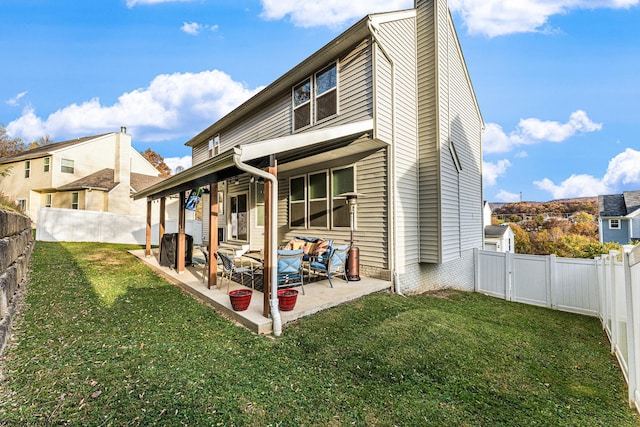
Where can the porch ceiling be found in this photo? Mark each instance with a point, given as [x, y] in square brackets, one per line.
[294, 151]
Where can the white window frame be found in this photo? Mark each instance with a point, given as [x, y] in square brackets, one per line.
[325, 93]
[48, 200]
[312, 102]
[306, 104]
[76, 204]
[612, 226]
[22, 205]
[327, 206]
[214, 146]
[27, 168]
[70, 166]
[47, 164]
[259, 205]
[230, 233]
[334, 198]
[303, 201]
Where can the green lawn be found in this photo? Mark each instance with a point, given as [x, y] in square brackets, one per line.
[105, 341]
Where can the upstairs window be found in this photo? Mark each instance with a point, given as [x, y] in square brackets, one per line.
[302, 105]
[316, 98]
[27, 168]
[214, 146]
[47, 164]
[614, 224]
[67, 166]
[326, 93]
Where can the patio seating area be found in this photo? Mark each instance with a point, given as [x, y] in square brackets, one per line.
[319, 294]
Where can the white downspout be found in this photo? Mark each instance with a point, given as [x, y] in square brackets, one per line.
[271, 262]
[392, 190]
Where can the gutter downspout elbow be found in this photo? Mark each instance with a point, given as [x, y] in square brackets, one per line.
[271, 262]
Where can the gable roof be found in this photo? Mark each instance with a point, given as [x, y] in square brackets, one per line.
[47, 150]
[619, 205]
[495, 230]
[104, 180]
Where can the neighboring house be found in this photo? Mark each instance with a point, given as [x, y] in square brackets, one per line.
[499, 238]
[98, 173]
[619, 217]
[385, 110]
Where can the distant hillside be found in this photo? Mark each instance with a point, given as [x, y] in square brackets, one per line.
[561, 207]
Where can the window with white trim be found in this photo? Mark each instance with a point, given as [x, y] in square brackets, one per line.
[259, 203]
[614, 224]
[316, 98]
[47, 164]
[48, 200]
[214, 146]
[316, 201]
[75, 197]
[27, 168]
[67, 166]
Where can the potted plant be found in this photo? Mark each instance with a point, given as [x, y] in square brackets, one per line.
[287, 299]
[240, 299]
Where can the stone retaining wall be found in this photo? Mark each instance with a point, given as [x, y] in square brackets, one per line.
[16, 245]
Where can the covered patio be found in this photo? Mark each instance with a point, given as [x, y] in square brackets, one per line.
[318, 294]
[263, 161]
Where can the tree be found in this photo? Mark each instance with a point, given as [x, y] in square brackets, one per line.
[9, 146]
[157, 161]
[522, 243]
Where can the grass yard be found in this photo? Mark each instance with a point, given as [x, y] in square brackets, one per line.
[103, 341]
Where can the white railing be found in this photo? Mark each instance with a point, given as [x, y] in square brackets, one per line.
[607, 287]
[71, 225]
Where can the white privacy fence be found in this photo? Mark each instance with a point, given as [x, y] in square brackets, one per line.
[71, 225]
[607, 287]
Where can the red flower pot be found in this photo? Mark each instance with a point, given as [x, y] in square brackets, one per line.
[287, 299]
[240, 299]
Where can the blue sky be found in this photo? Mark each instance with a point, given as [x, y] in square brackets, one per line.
[558, 81]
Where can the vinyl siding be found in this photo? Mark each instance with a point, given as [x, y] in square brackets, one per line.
[372, 215]
[428, 149]
[355, 103]
[399, 39]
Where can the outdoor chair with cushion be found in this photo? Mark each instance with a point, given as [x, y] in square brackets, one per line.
[290, 271]
[229, 268]
[332, 263]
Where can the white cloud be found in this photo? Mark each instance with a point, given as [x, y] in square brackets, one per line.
[575, 186]
[485, 17]
[192, 28]
[174, 162]
[533, 131]
[330, 13]
[131, 3]
[491, 171]
[14, 101]
[505, 196]
[172, 106]
[622, 170]
[500, 17]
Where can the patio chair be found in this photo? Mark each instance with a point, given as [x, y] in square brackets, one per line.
[290, 271]
[229, 268]
[333, 264]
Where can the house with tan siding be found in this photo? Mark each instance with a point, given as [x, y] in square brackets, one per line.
[98, 173]
[387, 111]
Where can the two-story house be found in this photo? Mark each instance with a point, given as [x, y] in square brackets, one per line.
[98, 173]
[386, 110]
[619, 217]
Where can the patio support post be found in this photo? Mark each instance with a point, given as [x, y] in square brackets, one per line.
[213, 236]
[147, 248]
[268, 217]
[181, 238]
[163, 209]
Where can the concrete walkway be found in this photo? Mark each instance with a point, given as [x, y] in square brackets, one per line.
[319, 295]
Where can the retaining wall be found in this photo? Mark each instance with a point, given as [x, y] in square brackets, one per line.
[16, 245]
